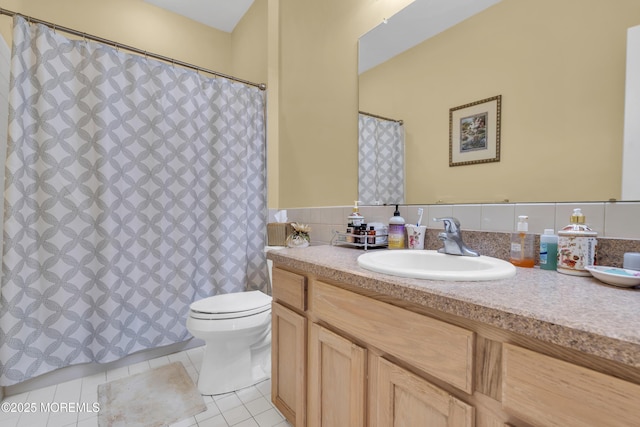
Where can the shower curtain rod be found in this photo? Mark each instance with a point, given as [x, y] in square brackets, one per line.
[400, 122]
[117, 45]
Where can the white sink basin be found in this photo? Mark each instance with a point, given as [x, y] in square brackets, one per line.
[436, 266]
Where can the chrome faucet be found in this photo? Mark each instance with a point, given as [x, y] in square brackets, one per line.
[452, 239]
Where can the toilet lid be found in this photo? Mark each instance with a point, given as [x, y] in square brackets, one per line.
[237, 304]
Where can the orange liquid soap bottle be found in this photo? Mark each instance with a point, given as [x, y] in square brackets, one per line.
[522, 242]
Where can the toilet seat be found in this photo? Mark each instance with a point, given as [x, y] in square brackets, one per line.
[230, 306]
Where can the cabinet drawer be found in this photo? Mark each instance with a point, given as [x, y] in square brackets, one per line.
[549, 392]
[290, 288]
[438, 348]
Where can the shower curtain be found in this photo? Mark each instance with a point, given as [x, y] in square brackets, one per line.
[380, 161]
[133, 187]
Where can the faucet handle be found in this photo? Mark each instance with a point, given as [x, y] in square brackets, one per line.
[451, 225]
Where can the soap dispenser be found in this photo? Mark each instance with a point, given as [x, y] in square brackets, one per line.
[522, 245]
[577, 245]
[355, 220]
[396, 231]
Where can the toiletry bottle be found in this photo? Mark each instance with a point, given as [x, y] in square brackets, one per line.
[362, 231]
[380, 231]
[548, 250]
[577, 244]
[522, 253]
[371, 232]
[396, 231]
[350, 230]
[355, 219]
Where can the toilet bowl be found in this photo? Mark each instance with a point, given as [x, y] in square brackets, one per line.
[236, 329]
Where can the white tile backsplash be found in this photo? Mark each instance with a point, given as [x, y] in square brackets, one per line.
[497, 217]
[469, 215]
[612, 219]
[622, 220]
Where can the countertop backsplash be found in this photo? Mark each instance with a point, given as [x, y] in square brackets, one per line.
[486, 227]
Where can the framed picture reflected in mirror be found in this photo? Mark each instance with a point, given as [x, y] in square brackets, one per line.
[474, 132]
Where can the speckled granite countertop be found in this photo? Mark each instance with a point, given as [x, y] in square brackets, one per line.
[580, 313]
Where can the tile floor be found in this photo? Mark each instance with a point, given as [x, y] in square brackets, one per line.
[249, 407]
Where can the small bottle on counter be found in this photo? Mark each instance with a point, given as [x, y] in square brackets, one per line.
[522, 253]
[372, 233]
[548, 250]
[362, 231]
[350, 233]
[354, 221]
[355, 218]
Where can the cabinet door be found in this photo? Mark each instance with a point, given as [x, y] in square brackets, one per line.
[288, 355]
[337, 380]
[400, 398]
[545, 391]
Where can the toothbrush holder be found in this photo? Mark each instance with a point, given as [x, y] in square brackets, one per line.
[415, 236]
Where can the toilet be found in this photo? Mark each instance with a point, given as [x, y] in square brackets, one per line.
[236, 329]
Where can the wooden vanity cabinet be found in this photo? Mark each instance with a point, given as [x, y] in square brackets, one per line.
[289, 346]
[342, 383]
[341, 357]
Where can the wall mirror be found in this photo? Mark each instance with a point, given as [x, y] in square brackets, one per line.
[560, 69]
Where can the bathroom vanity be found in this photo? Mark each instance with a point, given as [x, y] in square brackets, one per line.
[352, 347]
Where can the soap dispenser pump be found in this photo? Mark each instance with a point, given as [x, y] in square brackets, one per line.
[355, 219]
[396, 230]
[577, 245]
[522, 245]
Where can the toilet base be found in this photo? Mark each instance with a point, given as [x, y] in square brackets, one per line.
[230, 367]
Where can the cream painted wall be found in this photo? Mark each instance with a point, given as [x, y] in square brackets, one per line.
[318, 99]
[559, 67]
[134, 23]
[249, 44]
[318, 103]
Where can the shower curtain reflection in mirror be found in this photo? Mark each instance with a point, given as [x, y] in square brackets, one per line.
[380, 160]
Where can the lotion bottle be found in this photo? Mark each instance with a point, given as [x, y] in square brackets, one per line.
[522, 253]
[355, 219]
[396, 231]
[576, 246]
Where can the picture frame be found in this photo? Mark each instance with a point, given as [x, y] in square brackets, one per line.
[474, 132]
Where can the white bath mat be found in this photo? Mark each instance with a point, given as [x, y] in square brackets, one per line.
[158, 397]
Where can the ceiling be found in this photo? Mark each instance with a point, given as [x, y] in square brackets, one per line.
[411, 26]
[220, 14]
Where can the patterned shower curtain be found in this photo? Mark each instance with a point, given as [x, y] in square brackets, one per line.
[132, 188]
[380, 161]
